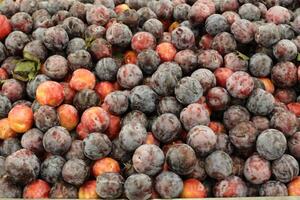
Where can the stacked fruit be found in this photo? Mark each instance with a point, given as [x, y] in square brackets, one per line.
[144, 99]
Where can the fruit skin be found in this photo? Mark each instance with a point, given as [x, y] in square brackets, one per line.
[222, 74]
[166, 127]
[278, 15]
[33, 141]
[10, 146]
[250, 12]
[295, 108]
[51, 168]
[105, 165]
[169, 105]
[45, 117]
[117, 102]
[181, 159]
[202, 139]
[294, 187]
[241, 131]
[82, 79]
[193, 115]
[166, 51]
[15, 42]
[8, 189]
[32, 85]
[273, 188]
[75, 171]
[85, 99]
[106, 69]
[13, 89]
[129, 76]
[76, 151]
[88, 190]
[216, 24]
[260, 65]
[37, 189]
[285, 168]
[200, 11]
[97, 14]
[100, 48]
[268, 84]
[109, 185]
[5, 27]
[20, 118]
[143, 98]
[50, 93]
[218, 98]
[104, 88]
[188, 90]
[168, 184]
[132, 135]
[119, 34]
[234, 62]
[57, 140]
[136, 117]
[233, 85]
[95, 119]
[55, 38]
[5, 130]
[243, 30]
[114, 127]
[285, 50]
[293, 145]
[254, 174]
[138, 186]
[218, 165]
[192, 188]
[68, 116]
[62, 190]
[166, 77]
[232, 186]
[285, 121]
[3, 74]
[55, 67]
[23, 166]
[148, 159]
[21, 21]
[265, 144]
[96, 146]
[234, 115]
[69, 93]
[183, 38]
[224, 43]
[142, 41]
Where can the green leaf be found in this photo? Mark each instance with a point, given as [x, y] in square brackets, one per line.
[242, 56]
[26, 70]
[88, 42]
[298, 57]
[28, 56]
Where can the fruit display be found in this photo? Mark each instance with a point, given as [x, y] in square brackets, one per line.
[149, 99]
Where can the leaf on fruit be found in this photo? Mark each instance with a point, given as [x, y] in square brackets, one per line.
[88, 42]
[27, 68]
[298, 57]
[29, 56]
[242, 56]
